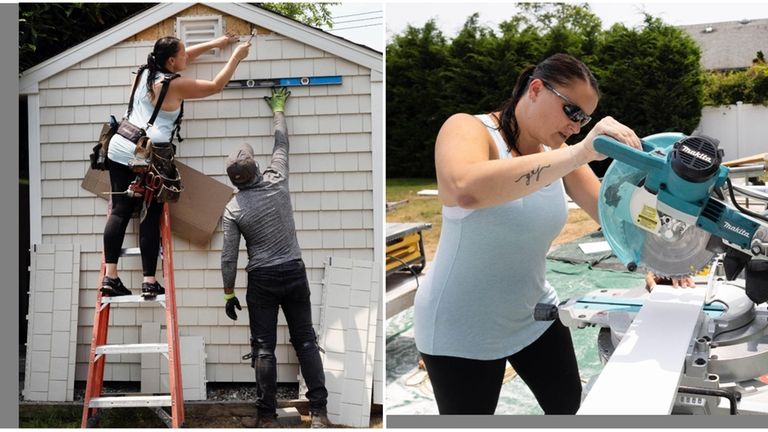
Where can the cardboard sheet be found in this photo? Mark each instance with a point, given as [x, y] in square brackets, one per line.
[196, 214]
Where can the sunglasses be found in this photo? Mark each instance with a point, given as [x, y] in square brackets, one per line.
[570, 109]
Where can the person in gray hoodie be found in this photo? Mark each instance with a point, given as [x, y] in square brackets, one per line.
[261, 212]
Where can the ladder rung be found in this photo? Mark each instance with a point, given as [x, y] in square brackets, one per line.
[132, 299]
[132, 348]
[130, 401]
[134, 251]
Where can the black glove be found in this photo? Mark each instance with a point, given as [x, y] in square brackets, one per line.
[232, 303]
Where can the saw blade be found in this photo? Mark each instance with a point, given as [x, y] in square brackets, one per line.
[683, 255]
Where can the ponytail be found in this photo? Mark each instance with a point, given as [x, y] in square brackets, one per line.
[165, 48]
[508, 122]
[557, 69]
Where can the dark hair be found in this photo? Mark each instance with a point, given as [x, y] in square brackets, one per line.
[557, 69]
[165, 48]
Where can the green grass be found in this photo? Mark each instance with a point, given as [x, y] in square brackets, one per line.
[404, 188]
[46, 416]
[417, 209]
[57, 416]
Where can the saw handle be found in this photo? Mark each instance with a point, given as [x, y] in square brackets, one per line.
[631, 156]
[545, 312]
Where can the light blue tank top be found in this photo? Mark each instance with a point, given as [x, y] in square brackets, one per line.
[120, 149]
[478, 297]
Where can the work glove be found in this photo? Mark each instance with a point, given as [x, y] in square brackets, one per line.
[232, 303]
[277, 100]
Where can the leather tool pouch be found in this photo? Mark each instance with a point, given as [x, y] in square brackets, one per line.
[130, 131]
[163, 165]
[100, 151]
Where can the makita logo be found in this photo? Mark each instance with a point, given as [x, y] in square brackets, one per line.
[738, 230]
[696, 153]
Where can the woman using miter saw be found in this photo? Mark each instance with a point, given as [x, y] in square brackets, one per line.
[502, 179]
[168, 57]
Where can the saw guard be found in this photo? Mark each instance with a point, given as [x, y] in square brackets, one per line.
[634, 246]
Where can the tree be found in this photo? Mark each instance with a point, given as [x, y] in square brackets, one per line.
[470, 80]
[567, 28]
[650, 78]
[47, 29]
[415, 61]
[748, 86]
[314, 14]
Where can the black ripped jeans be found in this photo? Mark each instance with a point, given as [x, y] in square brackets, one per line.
[283, 285]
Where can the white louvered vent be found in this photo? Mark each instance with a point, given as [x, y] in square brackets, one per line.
[193, 30]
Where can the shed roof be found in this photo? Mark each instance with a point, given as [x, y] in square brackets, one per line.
[343, 48]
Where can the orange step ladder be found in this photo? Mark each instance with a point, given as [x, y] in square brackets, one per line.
[94, 401]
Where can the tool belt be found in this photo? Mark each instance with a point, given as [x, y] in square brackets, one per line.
[157, 176]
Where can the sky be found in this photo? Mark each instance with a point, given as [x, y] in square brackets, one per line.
[359, 22]
[371, 23]
[450, 17]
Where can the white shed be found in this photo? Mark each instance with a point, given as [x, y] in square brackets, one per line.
[336, 135]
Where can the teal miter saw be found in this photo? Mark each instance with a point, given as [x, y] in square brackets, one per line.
[658, 212]
[664, 209]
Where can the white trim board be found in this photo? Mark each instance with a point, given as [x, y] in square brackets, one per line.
[35, 170]
[644, 372]
[154, 367]
[292, 29]
[377, 136]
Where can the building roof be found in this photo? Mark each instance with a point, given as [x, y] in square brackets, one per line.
[730, 44]
[340, 47]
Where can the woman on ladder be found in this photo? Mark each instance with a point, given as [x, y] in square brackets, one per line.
[169, 56]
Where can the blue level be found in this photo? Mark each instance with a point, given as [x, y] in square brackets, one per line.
[285, 82]
[632, 305]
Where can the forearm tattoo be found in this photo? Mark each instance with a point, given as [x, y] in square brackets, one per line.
[534, 173]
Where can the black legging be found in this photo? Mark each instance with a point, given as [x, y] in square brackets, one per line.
[120, 176]
[548, 366]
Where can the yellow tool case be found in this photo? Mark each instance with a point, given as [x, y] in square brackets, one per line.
[405, 246]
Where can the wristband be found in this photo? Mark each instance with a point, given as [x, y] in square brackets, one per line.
[229, 296]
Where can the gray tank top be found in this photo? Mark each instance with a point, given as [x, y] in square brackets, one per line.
[478, 297]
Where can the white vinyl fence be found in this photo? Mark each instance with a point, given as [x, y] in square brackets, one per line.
[741, 128]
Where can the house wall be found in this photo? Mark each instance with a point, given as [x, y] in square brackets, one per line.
[331, 184]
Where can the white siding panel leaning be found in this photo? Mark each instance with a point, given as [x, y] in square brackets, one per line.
[348, 335]
[154, 367]
[52, 333]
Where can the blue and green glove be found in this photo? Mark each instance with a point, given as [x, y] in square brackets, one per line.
[232, 303]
